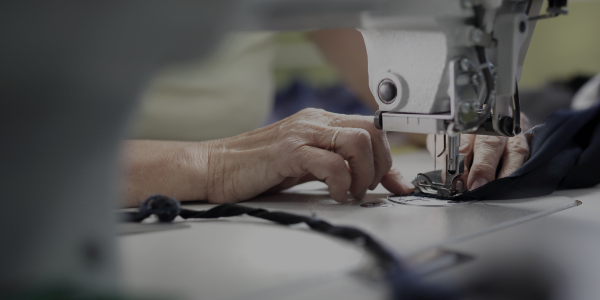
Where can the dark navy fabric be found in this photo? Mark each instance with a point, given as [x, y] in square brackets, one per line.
[299, 95]
[565, 154]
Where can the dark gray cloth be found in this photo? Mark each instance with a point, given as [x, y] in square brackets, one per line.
[565, 154]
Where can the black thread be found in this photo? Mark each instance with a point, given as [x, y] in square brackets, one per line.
[403, 283]
[166, 210]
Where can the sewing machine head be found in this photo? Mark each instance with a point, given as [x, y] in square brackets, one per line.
[449, 67]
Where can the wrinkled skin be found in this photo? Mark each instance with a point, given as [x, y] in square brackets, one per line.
[483, 154]
[292, 151]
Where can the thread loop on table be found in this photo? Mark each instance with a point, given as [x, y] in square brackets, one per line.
[166, 209]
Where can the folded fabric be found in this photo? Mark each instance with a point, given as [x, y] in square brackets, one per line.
[565, 154]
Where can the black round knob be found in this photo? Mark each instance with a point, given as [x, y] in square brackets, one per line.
[387, 91]
[522, 27]
[517, 129]
[506, 125]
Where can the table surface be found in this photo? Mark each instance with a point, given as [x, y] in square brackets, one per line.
[243, 257]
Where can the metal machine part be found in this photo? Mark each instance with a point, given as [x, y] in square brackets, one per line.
[451, 71]
[458, 66]
[454, 168]
[426, 201]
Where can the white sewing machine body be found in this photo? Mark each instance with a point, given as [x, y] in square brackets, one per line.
[440, 57]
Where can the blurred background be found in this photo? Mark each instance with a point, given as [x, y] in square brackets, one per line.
[564, 47]
[257, 78]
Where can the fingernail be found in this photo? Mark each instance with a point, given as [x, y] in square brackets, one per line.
[360, 196]
[406, 184]
[374, 185]
[478, 182]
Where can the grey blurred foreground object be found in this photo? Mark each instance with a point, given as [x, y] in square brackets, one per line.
[70, 74]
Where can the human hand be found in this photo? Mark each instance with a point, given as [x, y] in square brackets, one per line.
[296, 150]
[483, 154]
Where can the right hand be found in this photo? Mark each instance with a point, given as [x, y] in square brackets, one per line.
[483, 154]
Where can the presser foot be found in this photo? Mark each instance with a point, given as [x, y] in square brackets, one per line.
[453, 186]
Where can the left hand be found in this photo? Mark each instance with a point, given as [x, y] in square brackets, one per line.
[483, 154]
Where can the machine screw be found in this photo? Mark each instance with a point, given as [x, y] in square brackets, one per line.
[465, 64]
[476, 35]
[387, 91]
[475, 79]
[465, 107]
[522, 27]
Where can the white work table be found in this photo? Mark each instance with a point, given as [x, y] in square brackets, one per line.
[246, 258]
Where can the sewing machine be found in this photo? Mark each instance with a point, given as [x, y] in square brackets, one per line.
[59, 175]
[429, 71]
[435, 67]
[449, 70]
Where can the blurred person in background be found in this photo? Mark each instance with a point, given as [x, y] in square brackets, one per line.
[258, 78]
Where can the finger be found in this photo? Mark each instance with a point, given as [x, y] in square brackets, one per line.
[515, 154]
[525, 122]
[381, 149]
[354, 145]
[394, 182]
[327, 167]
[525, 127]
[467, 142]
[487, 151]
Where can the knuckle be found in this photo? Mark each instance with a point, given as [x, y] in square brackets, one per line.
[483, 168]
[298, 124]
[312, 112]
[298, 128]
[465, 144]
[292, 145]
[518, 146]
[335, 166]
[361, 136]
[493, 142]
